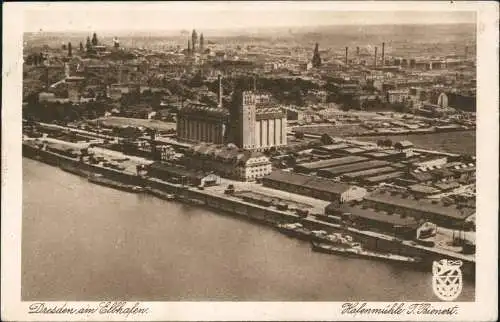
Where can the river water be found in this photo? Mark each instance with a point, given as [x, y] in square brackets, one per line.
[86, 242]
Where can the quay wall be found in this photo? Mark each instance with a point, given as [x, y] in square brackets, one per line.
[379, 242]
[263, 215]
[60, 160]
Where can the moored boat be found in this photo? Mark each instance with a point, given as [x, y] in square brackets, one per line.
[195, 202]
[295, 230]
[161, 194]
[355, 250]
[74, 170]
[100, 180]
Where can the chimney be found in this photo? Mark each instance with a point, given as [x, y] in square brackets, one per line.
[375, 61]
[46, 77]
[466, 51]
[66, 70]
[255, 84]
[357, 51]
[220, 91]
[383, 54]
[346, 52]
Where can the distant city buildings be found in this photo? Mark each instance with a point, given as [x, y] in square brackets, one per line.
[196, 45]
[434, 86]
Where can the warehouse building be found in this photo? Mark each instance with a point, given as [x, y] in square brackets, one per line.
[332, 148]
[176, 174]
[388, 155]
[353, 151]
[362, 218]
[316, 165]
[63, 150]
[465, 173]
[423, 191]
[315, 187]
[340, 170]
[229, 161]
[386, 177]
[366, 173]
[441, 214]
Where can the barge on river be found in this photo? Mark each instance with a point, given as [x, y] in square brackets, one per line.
[103, 181]
[74, 170]
[355, 250]
[161, 194]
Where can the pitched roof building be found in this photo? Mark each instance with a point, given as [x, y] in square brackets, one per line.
[229, 161]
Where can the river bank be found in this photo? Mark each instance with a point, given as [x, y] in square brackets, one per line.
[264, 215]
[138, 247]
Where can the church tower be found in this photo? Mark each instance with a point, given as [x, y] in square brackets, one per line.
[194, 40]
[202, 43]
[316, 59]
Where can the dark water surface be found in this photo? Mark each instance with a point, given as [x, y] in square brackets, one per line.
[87, 242]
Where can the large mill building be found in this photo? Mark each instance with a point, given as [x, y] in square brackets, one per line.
[257, 124]
[252, 122]
[197, 122]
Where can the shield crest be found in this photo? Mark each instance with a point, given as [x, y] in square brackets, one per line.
[447, 279]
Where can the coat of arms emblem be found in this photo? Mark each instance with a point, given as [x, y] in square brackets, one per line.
[447, 279]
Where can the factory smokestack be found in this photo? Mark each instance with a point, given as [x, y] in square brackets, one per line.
[357, 51]
[66, 70]
[219, 98]
[466, 51]
[375, 61]
[346, 52]
[46, 77]
[383, 54]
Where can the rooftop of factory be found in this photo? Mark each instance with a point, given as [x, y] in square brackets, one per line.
[423, 189]
[269, 109]
[306, 181]
[174, 170]
[333, 147]
[374, 215]
[366, 173]
[197, 108]
[225, 153]
[384, 177]
[450, 211]
[330, 163]
[339, 170]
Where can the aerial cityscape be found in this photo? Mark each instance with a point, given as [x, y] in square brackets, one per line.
[297, 163]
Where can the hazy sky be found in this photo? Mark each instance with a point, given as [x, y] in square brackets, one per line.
[236, 15]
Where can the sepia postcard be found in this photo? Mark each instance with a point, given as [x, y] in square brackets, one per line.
[300, 160]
